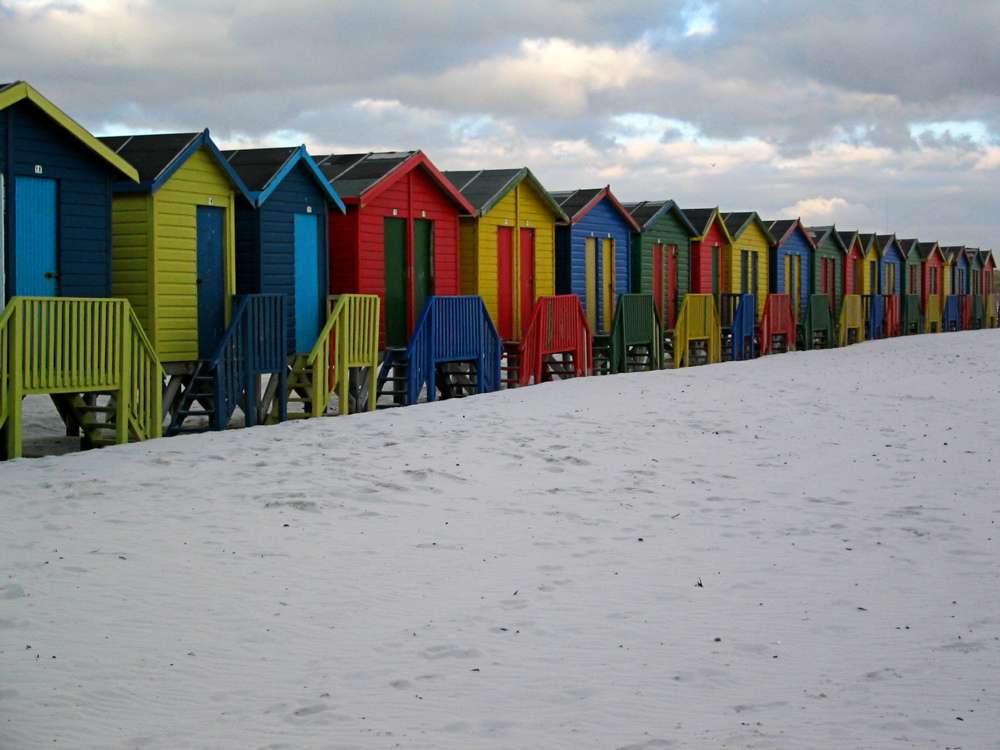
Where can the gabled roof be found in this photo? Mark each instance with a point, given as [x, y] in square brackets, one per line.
[360, 178]
[782, 229]
[739, 221]
[885, 241]
[819, 235]
[848, 237]
[647, 213]
[972, 253]
[157, 157]
[986, 256]
[263, 169]
[701, 219]
[12, 93]
[927, 249]
[485, 188]
[578, 203]
[868, 242]
[954, 252]
[909, 247]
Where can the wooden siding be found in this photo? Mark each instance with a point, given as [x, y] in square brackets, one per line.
[603, 221]
[265, 240]
[701, 257]
[668, 230]
[869, 256]
[522, 207]
[796, 245]
[132, 257]
[83, 194]
[828, 249]
[754, 241]
[892, 257]
[175, 253]
[357, 251]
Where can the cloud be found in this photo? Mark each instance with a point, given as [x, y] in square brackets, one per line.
[815, 210]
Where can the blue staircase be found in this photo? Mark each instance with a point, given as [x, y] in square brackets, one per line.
[252, 346]
[455, 351]
[951, 316]
[874, 308]
[742, 331]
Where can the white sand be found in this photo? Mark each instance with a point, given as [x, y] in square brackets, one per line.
[521, 570]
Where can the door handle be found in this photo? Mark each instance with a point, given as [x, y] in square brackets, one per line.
[52, 275]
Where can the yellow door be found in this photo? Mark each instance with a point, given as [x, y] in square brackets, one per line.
[609, 282]
[797, 285]
[590, 264]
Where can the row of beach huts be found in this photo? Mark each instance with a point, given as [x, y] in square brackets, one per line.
[155, 284]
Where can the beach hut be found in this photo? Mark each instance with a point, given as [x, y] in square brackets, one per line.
[853, 260]
[989, 288]
[592, 252]
[872, 298]
[281, 237]
[281, 249]
[59, 332]
[931, 285]
[507, 244]
[829, 265]
[55, 199]
[661, 255]
[911, 310]
[175, 261]
[707, 251]
[977, 301]
[790, 263]
[399, 237]
[746, 268]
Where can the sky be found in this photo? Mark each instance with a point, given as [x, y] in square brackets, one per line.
[876, 116]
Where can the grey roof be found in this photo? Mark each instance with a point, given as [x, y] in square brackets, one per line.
[884, 240]
[484, 187]
[926, 248]
[866, 240]
[573, 202]
[352, 174]
[847, 237]
[781, 227]
[908, 246]
[736, 221]
[700, 218]
[151, 155]
[647, 213]
[258, 166]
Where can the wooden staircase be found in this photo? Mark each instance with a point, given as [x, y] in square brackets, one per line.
[510, 364]
[602, 354]
[851, 329]
[636, 335]
[91, 357]
[252, 346]
[557, 343]
[698, 335]
[342, 361]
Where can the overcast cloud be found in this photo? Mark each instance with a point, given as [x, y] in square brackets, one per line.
[873, 115]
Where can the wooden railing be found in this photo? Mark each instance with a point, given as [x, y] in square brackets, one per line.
[453, 329]
[852, 320]
[558, 325]
[951, 316]
[349, 339]
[819, 318]
[911, 321]
[253, 344]
[991, 311]
[77, 345]
[873, 306]
[636, 323]
[743, 328]
[778, 320]
[893, 317]
[932, 314]
[698, 320]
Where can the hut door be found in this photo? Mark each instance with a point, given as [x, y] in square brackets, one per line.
[394, 247]
[716, 273]
[35, 265]
[211, 225]
[3, 263]
[671, 293]
[505, 282]
[308, 300]
[856, 276]
[590, 266]
[745, 272]
[890, 278]
[423, 264]
[527, 259]
[754, 258]
[873, 280]
[658, 281]
[608, 257]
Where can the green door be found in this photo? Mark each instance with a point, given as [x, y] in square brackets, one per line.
[423, 265]
[395, 282]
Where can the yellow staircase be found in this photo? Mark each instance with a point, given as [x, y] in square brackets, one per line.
[92, 357]
[698, 333]
[851, 328]
[349, 339]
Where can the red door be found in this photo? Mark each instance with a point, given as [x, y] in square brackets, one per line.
[505, 282]
[671, 285]
[527, 277]
[658, 279]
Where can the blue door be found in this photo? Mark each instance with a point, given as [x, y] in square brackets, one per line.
[308, 300]
[36, 269]
[211, 279]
